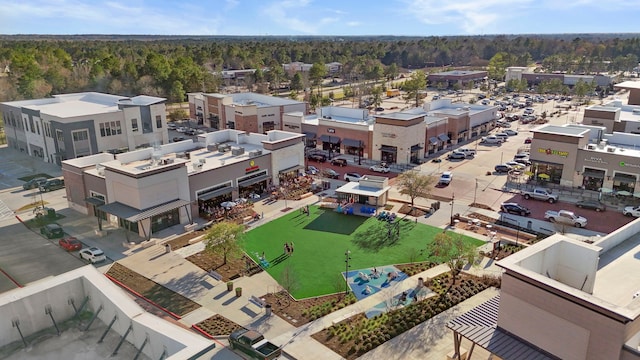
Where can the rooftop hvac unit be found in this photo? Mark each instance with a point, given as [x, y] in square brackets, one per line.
[237, 151]
[202, 161]
[100, 169]
[181, 155]
[212, 147]
[611, 149]
[591, 147]
[254, 153]
[167, 161]
[223, 148]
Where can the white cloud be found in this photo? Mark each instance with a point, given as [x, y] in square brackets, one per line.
[301, 16]
[354, 23]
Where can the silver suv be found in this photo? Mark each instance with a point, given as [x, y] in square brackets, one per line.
[350, 176]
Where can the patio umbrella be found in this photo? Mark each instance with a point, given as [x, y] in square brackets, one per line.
[624, 193]
[528, 173]
[228, 204]
[544, 176]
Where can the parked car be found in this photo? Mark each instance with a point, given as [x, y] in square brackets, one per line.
[34, 183]
[540, 194]
[331, 174]
[510, 132]
[312, 170]
[502, 135]
[177, 138]
[380, 168]
[52, 231]
[566, 217]
[339, 162]
[502, 168]
[522, 159]
[454, 155]
[515, 165]
[70, 243]
[468, 152]
[52, 184]
[515, 208]
[182, 129]
[445, 178]
[591, 204]
[527, 140]
[93, 255]
[253, 344]
[317, 157]
[172, 126]
[491, 139]
[351, 176]
[631, 211]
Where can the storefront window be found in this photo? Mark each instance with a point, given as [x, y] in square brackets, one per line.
[547, 172]
[592, 179]
[389, 154]
[165, 220]
[624, 182]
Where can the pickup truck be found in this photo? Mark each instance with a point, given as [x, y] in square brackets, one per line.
[565, 217]
[540, 194]
[254, 344]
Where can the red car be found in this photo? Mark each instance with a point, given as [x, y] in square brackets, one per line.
[70, 244]
[527, 140]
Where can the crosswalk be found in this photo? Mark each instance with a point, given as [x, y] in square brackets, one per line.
[5, 212]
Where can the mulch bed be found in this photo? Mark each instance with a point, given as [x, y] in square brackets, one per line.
[415, 268]
[300, 312]
[183, 240]
[153, 291]
[233, 269]
[481, 206]
[417, 212]
[218, 325]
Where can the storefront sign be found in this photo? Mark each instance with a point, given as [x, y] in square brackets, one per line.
[624, 164]
[596, 160]
[389, 135]
[331, 130]
[553, 152]
[252, 167]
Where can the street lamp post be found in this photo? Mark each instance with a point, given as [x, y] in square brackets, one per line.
[347, 257]
[453, 198]
[475, 192]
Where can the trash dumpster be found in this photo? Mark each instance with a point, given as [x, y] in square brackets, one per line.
[51, 213]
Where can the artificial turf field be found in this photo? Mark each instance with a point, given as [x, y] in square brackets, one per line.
[321, 240]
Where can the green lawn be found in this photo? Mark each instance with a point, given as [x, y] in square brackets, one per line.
[321, 240]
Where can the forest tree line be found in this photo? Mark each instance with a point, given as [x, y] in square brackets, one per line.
[172, 67]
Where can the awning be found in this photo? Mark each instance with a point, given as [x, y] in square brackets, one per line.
[310, 135]
[624, 178]
[594, 174]
[330, 139]
[391, 149]
[290, 169]
[433, 140]
[134, 215]
[215, 193]
[268, 123]
[94, 201]
[252, 181]
[416, 148]
[480, 326]
[443, 137]
[352, 143]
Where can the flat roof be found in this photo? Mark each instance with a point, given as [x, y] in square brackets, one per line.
[459, 73]
[618, 278]
[628, 85]
[401, 116]
[562, 130]
[354, 187]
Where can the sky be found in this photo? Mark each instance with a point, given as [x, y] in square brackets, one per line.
[318, 17]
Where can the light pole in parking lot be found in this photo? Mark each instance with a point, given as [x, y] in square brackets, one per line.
[453, 198]
[475, 192]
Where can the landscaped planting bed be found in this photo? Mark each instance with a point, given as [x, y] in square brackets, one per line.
[218, 325]
[417, 212]
[184, 239]
[233, 269]
[301, 312]
[153, 291]
[357, 335]
[415, 268]
[504, 251]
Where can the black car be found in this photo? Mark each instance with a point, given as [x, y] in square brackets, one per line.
[52, 231]
[339, 162]
[514, 208]
[317, 157]
[50, 185]
[502, 168]
[34, 183]
[591, 204]
[331, 174]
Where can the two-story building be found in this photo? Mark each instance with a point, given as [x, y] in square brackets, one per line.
[73, 125]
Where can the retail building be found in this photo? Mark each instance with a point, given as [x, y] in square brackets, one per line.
[73, 125]
[151, 189]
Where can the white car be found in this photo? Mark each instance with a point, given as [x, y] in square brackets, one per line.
[491, 139]
[380, 168]
[182, 129]
[632, 211]
[352, 176]
[515, 165]
[502, 135]
[510, 132]
[467, 152]
[92, 255]
[445, 178]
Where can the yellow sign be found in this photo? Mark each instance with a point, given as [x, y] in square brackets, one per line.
[252, 163]
[553, 152]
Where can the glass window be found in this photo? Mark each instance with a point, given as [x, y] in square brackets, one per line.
[134, 124]
[102, 130]
[158, 121]
[118, 128]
